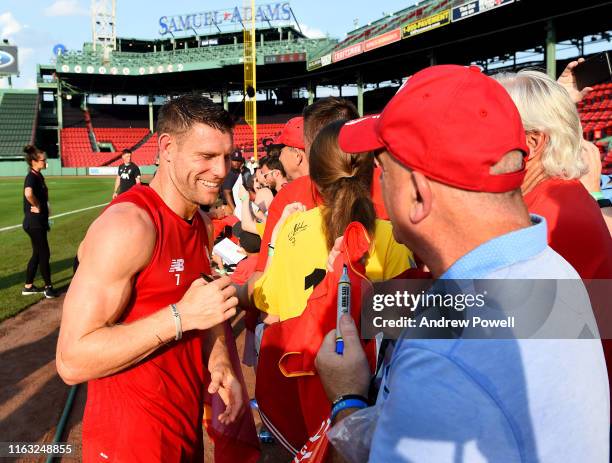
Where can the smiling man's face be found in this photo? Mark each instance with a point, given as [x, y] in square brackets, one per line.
[200, 160]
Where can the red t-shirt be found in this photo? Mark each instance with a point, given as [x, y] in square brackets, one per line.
[577, 231]
[153, 411]
[576, 228]
[220, 224]
[303, 190]
[244, 270]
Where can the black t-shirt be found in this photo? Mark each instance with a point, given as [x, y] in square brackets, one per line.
[230, 179]
[36, 181]
[127, 175]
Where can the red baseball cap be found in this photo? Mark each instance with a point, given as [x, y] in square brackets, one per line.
[292, 134]
[451, 123]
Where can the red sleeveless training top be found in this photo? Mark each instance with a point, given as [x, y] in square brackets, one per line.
[153, 411]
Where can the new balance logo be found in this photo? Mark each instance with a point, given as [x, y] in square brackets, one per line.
[177, 265]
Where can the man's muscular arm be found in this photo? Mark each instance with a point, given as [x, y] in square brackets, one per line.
[91, 345]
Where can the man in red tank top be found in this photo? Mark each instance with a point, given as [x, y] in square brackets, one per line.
[139, 323]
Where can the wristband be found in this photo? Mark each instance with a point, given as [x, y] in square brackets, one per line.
[604, 202]
[177, 322]
[597, 195]
[340, 398]
[270, 250]
[349, 401]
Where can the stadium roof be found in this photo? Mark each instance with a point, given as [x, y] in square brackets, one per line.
[453, 31]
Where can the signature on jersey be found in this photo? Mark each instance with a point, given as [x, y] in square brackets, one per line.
[297, 228]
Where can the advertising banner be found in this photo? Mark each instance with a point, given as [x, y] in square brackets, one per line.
[348, 52]
[8, 60]
[314, 64]
[326, 60]
[236, 16]
[103, 170]
[382, 40]
[426, 24]
[284, 58]
[475, 7]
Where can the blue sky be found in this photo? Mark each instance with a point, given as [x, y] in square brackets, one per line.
[35, 26]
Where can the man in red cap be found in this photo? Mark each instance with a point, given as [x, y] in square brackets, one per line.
[293, 154]
[451, 146]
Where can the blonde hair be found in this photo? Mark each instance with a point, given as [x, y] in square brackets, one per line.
[545, 106]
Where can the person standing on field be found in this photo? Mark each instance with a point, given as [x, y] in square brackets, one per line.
[36, 222]
[128, 174]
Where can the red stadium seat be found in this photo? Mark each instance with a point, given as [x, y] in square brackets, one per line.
[596, 118]
[76, 149]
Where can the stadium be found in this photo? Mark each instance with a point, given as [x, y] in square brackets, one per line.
[92, 104]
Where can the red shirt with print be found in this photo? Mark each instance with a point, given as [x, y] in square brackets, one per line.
[152, 411]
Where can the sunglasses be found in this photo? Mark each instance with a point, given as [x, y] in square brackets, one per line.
[268, 173]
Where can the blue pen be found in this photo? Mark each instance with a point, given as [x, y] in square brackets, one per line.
[343, 306]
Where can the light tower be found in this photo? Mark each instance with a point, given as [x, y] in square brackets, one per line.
[250, 77]
[103, 24]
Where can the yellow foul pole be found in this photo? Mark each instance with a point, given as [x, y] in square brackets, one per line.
[250, 80]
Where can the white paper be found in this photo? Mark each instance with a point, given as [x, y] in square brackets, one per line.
[227, 250]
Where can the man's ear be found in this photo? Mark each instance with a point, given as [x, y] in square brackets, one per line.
[536, 141]
[299, 156]
[164, 142]
[421, 205]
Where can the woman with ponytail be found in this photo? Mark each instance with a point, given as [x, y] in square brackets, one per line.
[302, 240]
[36, 222]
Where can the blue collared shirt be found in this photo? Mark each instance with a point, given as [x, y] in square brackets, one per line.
[500, 252]
[468, 400]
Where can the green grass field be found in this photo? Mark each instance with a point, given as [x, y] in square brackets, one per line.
[65, 194]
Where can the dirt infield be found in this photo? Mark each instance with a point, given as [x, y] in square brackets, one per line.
[32, 396]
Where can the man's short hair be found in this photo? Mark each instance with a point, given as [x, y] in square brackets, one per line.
[273, 162]
[126, 151]
[325, 111]
[178, 115]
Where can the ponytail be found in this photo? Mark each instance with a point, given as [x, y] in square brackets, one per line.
[344, 182]
[31, 153]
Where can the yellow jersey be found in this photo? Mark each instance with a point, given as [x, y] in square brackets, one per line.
[260, 227]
